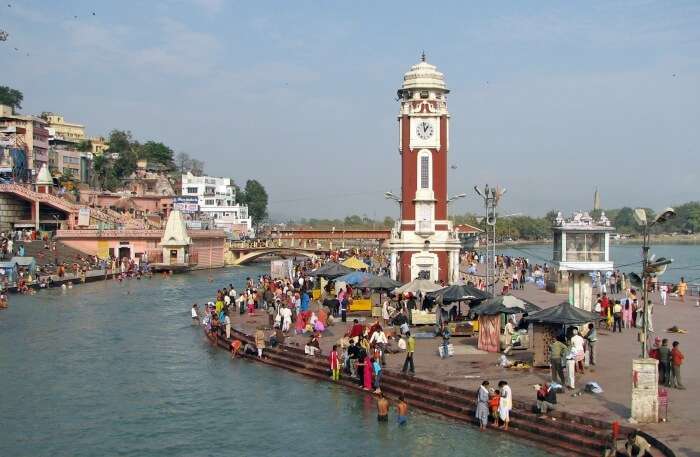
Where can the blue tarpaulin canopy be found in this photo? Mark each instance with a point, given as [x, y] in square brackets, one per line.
[27, 263]
[8, 270]
[354, 278]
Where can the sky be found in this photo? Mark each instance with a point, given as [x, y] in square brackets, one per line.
[548, 99]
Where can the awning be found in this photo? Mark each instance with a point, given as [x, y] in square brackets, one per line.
[563, 314]
[505, 304]
[355, 264]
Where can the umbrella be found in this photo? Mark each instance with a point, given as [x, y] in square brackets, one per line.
[355, 263]
[458, 293]
[331, 270]
[418, 285]
[564, 313]
[506, 304]
[379, 282]
[353, 278]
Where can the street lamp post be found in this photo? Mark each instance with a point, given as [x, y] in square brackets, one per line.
[645, 372]
[491, 197]
[396, 232]
[450, 200]
[649, 268]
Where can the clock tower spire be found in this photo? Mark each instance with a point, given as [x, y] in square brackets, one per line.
[424, 244]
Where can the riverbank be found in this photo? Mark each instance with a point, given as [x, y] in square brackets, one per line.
[469, 367]
[130, 375]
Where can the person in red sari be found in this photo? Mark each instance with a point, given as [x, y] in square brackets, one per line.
[367, 373]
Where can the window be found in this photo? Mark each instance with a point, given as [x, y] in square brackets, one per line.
[425, 172]
[209, 202]
[191, 190]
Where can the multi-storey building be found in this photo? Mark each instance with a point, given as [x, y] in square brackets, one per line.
[216, 198]
[63, 130]
[35, 136]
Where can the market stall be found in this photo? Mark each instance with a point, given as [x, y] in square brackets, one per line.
[8, 273]
[549, 323]
[420, 288]
[492, 316]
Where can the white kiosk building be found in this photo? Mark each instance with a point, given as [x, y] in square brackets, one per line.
[581, 248]
[175, 242]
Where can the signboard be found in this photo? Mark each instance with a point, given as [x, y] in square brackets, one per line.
[281, 269]
[84, 217]
[186, 204]
[195, 225]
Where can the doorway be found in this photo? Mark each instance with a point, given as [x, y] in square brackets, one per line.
[124, 251]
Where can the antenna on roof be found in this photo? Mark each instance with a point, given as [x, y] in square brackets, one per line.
[422, 56]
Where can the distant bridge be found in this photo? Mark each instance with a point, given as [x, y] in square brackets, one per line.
[301, 242]
[241, 256]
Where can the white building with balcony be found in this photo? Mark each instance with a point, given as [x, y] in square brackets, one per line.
[581, 247]
[217, 203]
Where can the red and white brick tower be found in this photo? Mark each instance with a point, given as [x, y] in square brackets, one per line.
[425, 245]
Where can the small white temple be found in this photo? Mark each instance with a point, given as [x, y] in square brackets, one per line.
[44, 181]
[581, 247]
[175, 241]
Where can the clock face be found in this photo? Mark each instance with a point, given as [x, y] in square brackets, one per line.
[424, 130]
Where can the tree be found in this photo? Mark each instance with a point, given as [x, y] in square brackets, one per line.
[255, 196]
[120, 141]
[85, 146]
[185, 163]
[156, 152]
[11, 97]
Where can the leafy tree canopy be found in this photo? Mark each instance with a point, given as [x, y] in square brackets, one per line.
[11, 97]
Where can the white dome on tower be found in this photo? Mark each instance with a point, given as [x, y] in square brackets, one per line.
[424, 76]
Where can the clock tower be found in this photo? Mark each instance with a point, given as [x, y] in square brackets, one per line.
[424, 244]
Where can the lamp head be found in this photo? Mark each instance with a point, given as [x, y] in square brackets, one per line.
[668, 213]
[640, 216]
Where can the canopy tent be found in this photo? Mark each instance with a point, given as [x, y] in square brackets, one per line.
[331, 270]
[454, 293]
[355, 263]
[8, 270]
[354, 278]
[505, 304]
[25, 262]
[563, 314]
[379, 282]
[418, 285]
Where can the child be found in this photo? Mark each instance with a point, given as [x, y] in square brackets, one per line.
[334, 363]
[494, 403]
[377, 368]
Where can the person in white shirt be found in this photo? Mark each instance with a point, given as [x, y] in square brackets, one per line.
[195, 313]
[379, 340]
[663, 291]
[227, 324]
[577, 342]
[286, 318]
[386, 312]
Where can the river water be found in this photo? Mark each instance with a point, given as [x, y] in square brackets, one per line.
[686, 258]
[108, 369]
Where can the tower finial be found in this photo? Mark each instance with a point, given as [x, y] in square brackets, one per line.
[422, 56]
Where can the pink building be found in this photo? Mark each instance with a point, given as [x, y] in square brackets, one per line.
[207, 245]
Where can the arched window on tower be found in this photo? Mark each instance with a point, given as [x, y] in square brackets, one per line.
[425, 172]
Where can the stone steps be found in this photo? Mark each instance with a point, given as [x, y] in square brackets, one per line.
[563, 437]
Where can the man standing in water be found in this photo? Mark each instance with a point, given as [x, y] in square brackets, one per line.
[382, 408]
[195, 313]
[402, 410]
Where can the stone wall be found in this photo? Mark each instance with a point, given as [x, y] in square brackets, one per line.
[13, 209]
